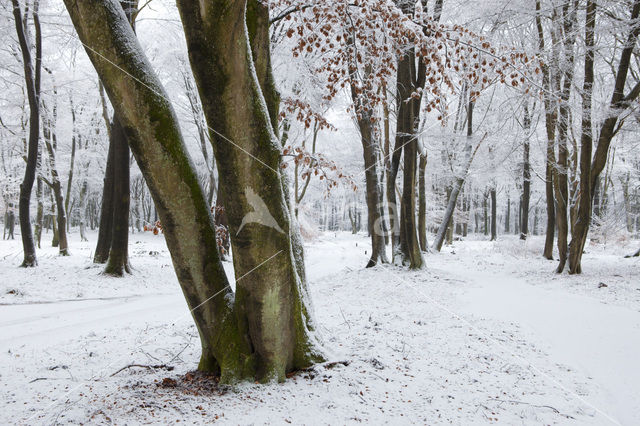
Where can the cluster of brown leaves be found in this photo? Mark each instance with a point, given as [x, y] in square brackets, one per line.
[360, 40]
[317, 164]
[304, 113]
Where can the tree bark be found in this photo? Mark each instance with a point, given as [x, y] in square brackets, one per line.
[526, 176]
[32, 81]
[105, 228]
[494, 212]
[56, 187]
[154, 137]
[271, 299]
[118, 261]
[422, 203]
[550, 126]
[590, 170]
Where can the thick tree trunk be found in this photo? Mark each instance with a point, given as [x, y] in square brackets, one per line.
[32, 81]
[153, 133]
[270, 304]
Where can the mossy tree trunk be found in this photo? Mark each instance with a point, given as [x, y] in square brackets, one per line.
[154, 137]
[270, 305]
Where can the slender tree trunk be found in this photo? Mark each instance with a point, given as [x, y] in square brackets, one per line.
[105, 228]
[422, 203]
[32, 81]
[458, 183]
[494, 212]
[526, 176]
[550, 125]
[39, 212]
[118, 260]
[590, 170]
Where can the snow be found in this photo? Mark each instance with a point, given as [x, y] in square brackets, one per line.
[485, 333]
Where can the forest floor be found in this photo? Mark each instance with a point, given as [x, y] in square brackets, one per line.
[486, 333]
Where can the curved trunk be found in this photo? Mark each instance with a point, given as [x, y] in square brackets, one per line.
[270, 306]
[154, 137]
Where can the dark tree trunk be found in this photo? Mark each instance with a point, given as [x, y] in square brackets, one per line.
[494, 212]
[526, 177]
[507, 217]
[562, 169]
[32, 81]
[590, 171]
[373, 193]
[422, 204]
[118, 261]
[408, 79]
[112, 247]
[550, 125]
[105, 228]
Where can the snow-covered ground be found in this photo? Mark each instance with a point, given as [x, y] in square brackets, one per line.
[485, 333]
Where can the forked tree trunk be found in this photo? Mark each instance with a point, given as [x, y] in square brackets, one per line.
[271, 296]
[406, 142]
[153, 133]
[32, 81]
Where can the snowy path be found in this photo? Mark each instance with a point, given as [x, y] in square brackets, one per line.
[51, 323]
[582, 332]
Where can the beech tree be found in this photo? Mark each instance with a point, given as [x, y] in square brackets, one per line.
[264, 330]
